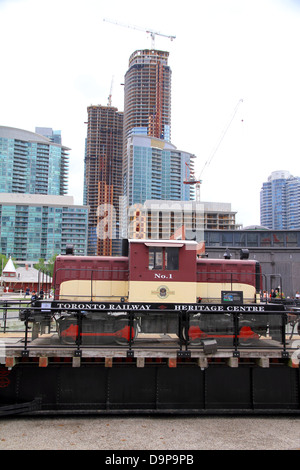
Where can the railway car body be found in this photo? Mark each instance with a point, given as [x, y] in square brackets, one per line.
[154, 272]
[159, 281]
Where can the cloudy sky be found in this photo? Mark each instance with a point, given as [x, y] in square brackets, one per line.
[59, 56]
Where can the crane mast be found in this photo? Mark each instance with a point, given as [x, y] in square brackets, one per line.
[110, 93]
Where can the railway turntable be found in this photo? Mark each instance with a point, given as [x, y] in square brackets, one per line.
[157, 331]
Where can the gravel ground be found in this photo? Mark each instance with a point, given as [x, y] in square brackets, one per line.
[150, 433]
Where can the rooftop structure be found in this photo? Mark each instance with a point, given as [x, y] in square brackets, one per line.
[54, 136]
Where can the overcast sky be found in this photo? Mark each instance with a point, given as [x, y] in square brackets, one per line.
[59, 56]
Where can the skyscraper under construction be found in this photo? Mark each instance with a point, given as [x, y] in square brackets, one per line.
[147, 103]
[130, 154]
[103, 178]
[148, 94]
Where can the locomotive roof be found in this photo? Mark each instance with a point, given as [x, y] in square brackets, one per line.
[151, 242]
[92, 257]
[228, 261]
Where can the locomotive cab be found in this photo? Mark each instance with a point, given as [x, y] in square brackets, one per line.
[162, 271]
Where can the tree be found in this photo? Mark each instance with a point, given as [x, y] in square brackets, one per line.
[46, 268]
[50, 264]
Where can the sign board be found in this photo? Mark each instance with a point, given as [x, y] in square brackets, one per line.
[232, 297]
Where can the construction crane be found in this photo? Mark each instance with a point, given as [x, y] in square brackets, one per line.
[110, 93]
[191, 179]
[148, 31]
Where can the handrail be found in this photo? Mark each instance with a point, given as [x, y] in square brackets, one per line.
[183, 318]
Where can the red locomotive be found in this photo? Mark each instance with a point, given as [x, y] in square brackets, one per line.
[158, 283]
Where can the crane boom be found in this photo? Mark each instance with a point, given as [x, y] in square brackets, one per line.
[197, 181]
[221, 137]
[138, 28]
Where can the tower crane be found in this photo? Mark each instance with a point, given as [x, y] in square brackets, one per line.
[110, 93]
[148, 31]
[191, 179]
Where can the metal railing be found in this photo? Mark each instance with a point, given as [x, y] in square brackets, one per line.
[191, 327]
[10, 315]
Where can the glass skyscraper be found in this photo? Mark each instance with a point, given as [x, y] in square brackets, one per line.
[37, 219]
[156, 170]
[280, 201]
[39, 226]
[32, 163]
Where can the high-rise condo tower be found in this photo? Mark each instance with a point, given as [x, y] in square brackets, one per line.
[147, 99]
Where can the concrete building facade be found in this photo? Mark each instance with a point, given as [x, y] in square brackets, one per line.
[166, 219]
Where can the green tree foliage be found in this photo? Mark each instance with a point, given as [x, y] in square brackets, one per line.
[46, 268]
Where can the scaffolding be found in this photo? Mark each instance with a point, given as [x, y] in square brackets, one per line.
[103, 178]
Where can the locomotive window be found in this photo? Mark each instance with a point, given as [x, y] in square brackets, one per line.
[155, 258]
[172, 258]
[164, 258]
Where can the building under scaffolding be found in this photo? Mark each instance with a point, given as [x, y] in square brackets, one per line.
[103, 178]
